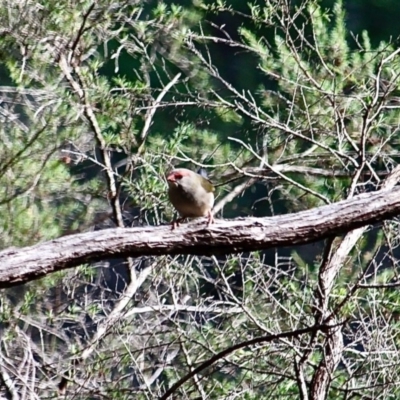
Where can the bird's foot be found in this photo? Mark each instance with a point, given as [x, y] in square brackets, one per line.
[176, 223]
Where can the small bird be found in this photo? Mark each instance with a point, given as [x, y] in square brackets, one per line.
[191, 194]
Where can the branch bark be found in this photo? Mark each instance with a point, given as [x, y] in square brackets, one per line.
[223, 237]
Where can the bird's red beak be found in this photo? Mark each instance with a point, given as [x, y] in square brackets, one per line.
[171, 178]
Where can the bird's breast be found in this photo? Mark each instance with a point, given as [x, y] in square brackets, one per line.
[191, 204]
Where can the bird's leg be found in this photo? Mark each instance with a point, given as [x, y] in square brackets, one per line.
[210, 218]
[176, 222]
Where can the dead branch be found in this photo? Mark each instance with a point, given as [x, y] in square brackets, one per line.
[225, 236]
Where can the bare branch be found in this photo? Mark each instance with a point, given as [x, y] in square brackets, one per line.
[225, 236]
[224, 353]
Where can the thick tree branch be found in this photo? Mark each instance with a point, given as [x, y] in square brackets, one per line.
[329, 269]
[225, 236]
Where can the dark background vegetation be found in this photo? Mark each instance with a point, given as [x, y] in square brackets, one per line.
[95, 333]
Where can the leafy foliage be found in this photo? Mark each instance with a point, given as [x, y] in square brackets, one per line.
[285, 109]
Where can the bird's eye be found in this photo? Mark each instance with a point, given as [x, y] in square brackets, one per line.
[178, 176]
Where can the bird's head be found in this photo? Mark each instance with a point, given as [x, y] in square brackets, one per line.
[188, 180]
